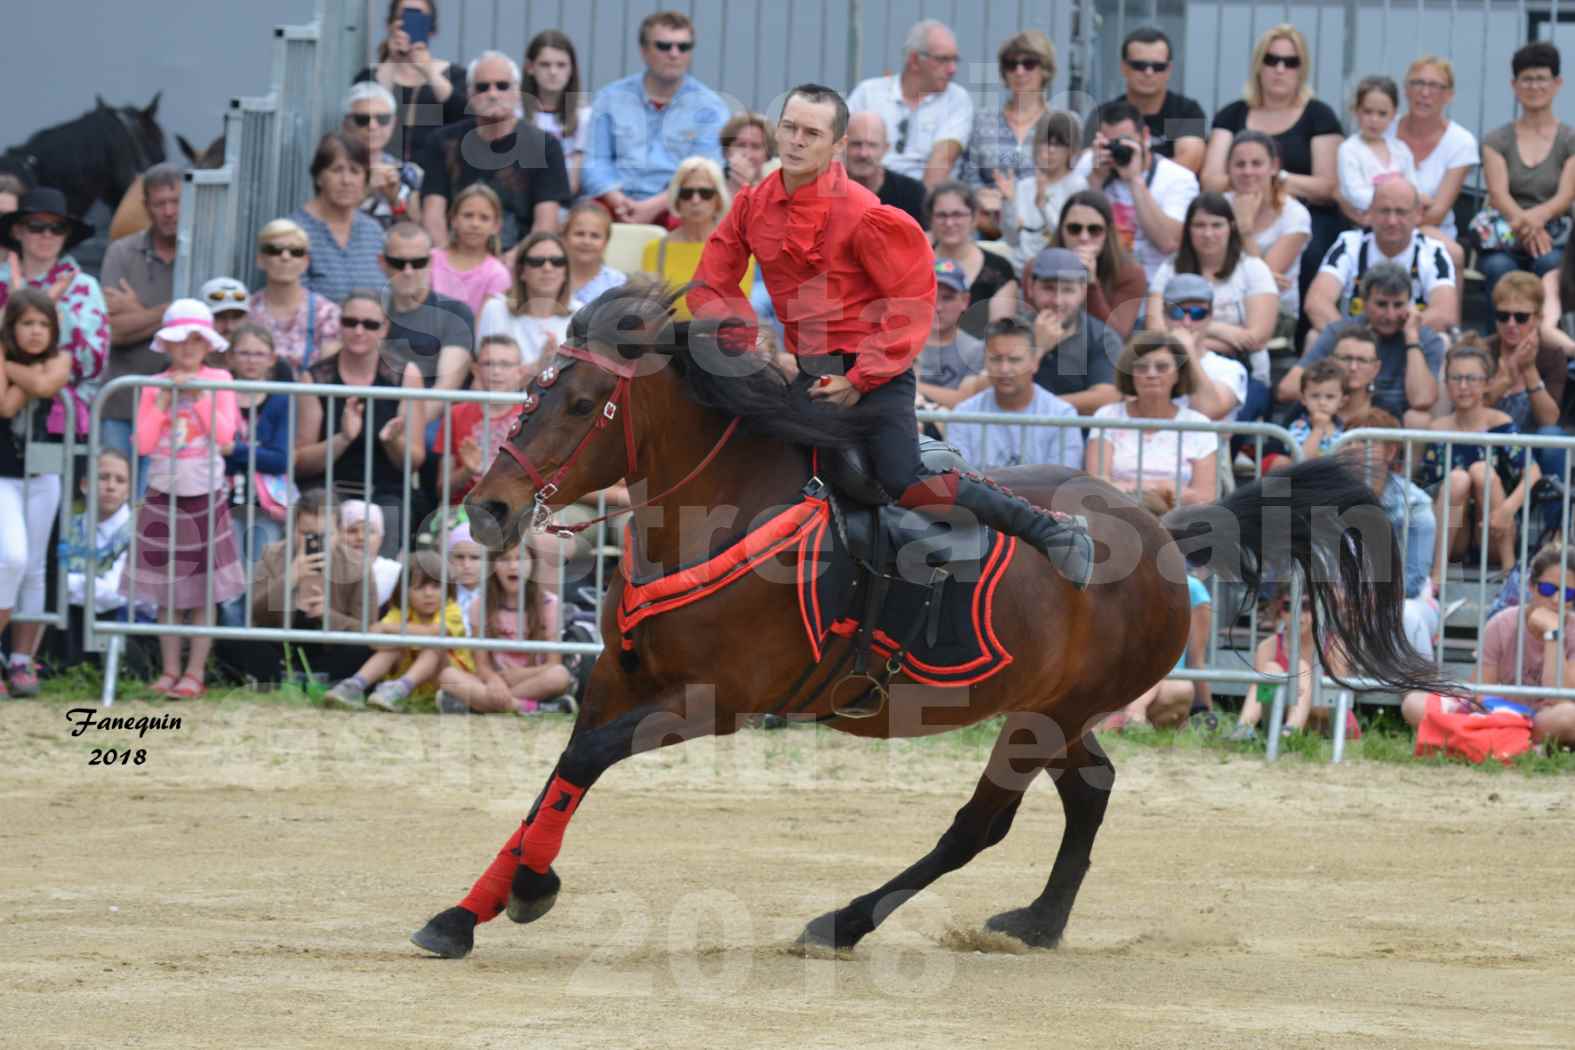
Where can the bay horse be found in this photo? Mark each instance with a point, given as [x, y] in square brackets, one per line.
[722, 440]
[92, 158]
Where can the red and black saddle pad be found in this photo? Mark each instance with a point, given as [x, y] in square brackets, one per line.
[831, 592]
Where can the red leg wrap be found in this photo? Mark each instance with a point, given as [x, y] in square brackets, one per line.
[491, 892]
[937, 490]
[544, 836]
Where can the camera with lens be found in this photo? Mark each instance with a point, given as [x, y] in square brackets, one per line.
[1122, 151]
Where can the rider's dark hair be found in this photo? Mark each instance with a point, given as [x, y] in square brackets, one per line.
[820, 94]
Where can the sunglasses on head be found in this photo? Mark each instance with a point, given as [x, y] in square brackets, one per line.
[227, 297]
[371, 324]
[689, 193]
[683, 47]
[1283, 61]
[484, 86]
[1548, 590]
[902, 135]
[1518, 316]
[58, 229]
[1077, 229]
[1138, 65]
[1028, 62]
[1193, 313]
[364, 120]
[418, 263]
[536, 262]
[276, 250]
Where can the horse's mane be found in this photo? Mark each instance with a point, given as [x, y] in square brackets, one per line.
[635, 320]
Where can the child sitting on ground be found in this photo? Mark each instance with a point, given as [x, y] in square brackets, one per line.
[1272, 658]
[513, 605]
[466, 570]
[405, 672]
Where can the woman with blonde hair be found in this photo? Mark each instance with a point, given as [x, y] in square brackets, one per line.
[1278, 101]
[698, 196]
[304, 325]
[535, 313]
[1001, 146]
[1444, 151]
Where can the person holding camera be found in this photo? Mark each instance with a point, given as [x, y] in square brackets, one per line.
[1148, 193]
[429, 91]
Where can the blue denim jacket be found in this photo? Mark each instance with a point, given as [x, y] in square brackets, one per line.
[1401, 498]
[636, 147]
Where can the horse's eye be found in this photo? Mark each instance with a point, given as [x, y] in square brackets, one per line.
[581, 406]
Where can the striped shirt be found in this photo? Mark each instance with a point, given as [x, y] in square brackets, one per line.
[337, 270]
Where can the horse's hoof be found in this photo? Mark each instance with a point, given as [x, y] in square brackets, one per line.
[532, 895]
[1026, 925]
[449, 934]
[827, 934]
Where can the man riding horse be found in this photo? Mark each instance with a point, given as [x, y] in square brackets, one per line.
[853, 282]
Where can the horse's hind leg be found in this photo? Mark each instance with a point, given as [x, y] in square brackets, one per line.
[1026, 744]
[521, 877]
[1084, 777]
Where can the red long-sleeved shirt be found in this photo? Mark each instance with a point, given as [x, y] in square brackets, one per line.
[846, 273]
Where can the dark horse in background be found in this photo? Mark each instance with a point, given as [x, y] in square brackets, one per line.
[92, 158]
[634, 395]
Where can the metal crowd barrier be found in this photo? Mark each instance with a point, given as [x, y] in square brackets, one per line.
[42, 459]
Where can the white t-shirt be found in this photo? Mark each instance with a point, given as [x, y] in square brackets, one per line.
[1035, 224]
[1162, 449]
[945, 117]
[1251, 277]
[1424, 258]
[1171, 185]
[550, 123]
[987, 447]
[1457, 149]
[1230, 374]
[1361, 170]
[530, 332]
[1293, 218]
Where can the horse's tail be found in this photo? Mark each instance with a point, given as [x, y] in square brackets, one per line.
[1321, 516]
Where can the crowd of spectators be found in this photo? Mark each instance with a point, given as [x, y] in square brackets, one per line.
[1136, 262]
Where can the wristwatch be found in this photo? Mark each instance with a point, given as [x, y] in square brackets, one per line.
[1534, 389]
[1413, 346]
[1553, 635]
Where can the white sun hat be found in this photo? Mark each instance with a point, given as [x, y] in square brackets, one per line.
[186, 317]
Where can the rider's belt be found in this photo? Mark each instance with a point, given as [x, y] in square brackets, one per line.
[836, 364]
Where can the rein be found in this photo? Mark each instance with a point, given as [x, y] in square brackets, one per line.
[546, 487]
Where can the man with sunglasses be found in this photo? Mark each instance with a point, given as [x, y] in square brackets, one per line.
[1076, 352]
[431, 331]
[1219, 387]
[1176, 123]
[644, 125]
[520, 162]
[855, 340]
[928, 116]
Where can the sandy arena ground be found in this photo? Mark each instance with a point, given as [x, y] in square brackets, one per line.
[254, 882]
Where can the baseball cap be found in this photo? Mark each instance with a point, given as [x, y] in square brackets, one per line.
[224, 295]
[1059, 263]
[1188, 288]
[950, 273]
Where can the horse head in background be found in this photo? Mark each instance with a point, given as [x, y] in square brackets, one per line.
[94, 157]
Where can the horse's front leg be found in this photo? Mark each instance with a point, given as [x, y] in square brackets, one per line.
[521, 878]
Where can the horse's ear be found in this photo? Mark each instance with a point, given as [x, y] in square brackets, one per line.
[186, 148]
[153, 107]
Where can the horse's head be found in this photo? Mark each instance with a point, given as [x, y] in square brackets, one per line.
[575, 432]
[144, 137]
[207, 159]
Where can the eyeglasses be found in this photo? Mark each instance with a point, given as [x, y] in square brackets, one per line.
[1028, 62]
[1351, 361]
[1518, 316]
[689, 193]
[902, 135]
[536, 262]
[1153, 368]
[1426, 85]
[945, 60]
[417, 263]
[1193, 313]
[276, 250]
[1078, 229]
[1548, 590]
[1460, 379]
[483, 86]
[951, 216]
[54, 229]
[364, 120]
[1283, 61]
[683, 47]
[1138, 65]
[371, 324]
[1534, 82]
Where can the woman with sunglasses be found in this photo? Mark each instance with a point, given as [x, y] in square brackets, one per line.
[1512, 654]
[698, 196]
[1278, 101]
[429, 91]
[535, 313]
[1117, 286]
[1478, 481]
[303, 324]
[1001, 146]
[1528, 385]
[950, 214]
[395, 191]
